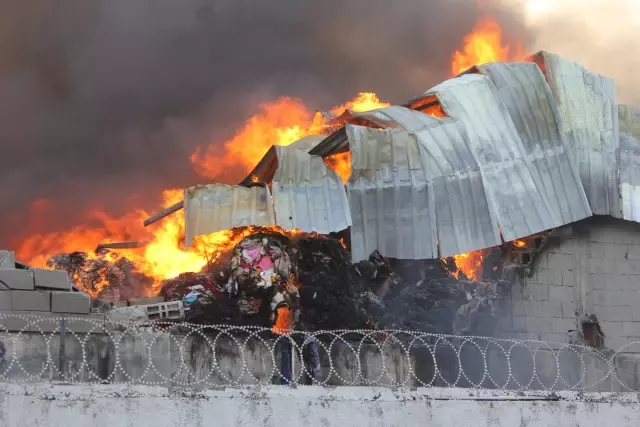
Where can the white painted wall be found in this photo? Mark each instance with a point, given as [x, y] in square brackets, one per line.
[141, 406]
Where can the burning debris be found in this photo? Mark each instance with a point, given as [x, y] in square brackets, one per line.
[304, 282]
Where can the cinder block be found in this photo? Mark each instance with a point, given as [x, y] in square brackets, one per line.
[7, 259]
[26, 321]
[563, 326]
[633, 252]
[145, 301]
[5, 300]
[615, 251]
[614, 313]
[559, 261]
[519, 324]
[539, 325]
[631, 329]
[31, 300]
[537, 292]
[596, 265]
[611, 329]
[561, 293]
[553, 338]
[569, 310]
[606, 297]
[172, 310]
[70, 302]
[568, 278]
[17, 279]
[615, 282]
[543, 309]
[624, 266]
[52, 279]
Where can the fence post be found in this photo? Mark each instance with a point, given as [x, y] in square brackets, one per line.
[63, 336]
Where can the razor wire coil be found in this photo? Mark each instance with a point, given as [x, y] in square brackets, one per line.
[71, 349]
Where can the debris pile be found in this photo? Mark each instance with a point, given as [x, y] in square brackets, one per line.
[306, 282]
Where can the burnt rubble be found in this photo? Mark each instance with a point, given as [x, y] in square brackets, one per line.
[314, 277]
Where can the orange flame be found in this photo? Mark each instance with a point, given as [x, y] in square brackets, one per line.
[341, 163]
[484, 44]
[520, 243]
[470, 264]
[280, 123]
[164, 255]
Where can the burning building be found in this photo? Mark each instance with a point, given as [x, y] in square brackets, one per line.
[508, 168]
[503, 173]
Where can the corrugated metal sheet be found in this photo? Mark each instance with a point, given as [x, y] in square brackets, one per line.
[308, 195]
[215, 207]
[521, 208]
[587, 103]
[389, 197]
[266, 168]
[458, 204]
[629, 161]
[534, 112]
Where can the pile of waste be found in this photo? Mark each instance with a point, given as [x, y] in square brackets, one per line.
[307, 283]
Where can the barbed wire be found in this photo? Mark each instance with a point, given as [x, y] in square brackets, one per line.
[34, 348]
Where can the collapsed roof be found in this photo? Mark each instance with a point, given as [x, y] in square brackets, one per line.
[503, 151]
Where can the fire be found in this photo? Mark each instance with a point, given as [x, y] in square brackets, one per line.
[484, 44]
[279, 123]
[520, 243]
[341, 163]
[164, 256]
[470, 264]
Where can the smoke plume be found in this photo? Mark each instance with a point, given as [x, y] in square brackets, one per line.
[102, 102]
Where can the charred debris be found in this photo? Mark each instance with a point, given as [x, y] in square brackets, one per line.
[308, 283]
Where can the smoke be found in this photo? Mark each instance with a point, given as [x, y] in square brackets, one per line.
[102, 102]
[603, 36]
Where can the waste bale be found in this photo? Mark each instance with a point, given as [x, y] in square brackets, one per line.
[261, 279]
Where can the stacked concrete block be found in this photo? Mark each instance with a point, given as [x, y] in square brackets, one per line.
[172, 310]
[38, 290]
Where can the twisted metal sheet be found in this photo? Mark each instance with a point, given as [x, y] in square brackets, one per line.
[91, 350]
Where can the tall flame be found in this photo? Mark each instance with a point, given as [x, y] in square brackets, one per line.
[484, 44]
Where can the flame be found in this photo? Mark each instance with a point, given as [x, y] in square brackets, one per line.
[282, 323]
[164, 255]
[484, 44]
[470, 264]
[341, 163]
[279, 123]
[520, 243]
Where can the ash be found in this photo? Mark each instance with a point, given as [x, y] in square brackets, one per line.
[314, 279]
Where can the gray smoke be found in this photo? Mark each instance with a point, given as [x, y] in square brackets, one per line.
[102, 102]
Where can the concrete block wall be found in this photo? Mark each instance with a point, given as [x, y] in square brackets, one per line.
[543, 306]
[38, 290]
[594, 271]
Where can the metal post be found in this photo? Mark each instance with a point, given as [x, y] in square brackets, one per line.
[63, 336]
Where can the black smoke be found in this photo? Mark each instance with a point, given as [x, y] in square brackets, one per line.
[102, 102]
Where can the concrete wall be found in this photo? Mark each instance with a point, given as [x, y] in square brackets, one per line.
[106, 406]
[592, 270]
